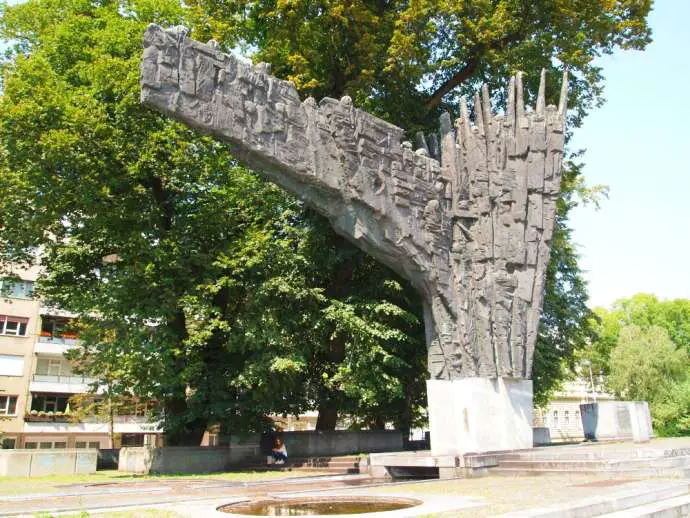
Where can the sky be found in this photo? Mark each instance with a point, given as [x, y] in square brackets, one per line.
[638, 144]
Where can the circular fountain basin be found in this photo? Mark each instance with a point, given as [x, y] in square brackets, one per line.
[319, 506]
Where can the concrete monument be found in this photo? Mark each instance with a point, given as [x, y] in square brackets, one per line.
[467, 217]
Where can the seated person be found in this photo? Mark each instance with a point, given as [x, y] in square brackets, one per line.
[279, 451]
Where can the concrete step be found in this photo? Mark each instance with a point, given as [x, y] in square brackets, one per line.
[625, 501]
[344, 464]
[606, 464]
[629, 472]
[556, 453]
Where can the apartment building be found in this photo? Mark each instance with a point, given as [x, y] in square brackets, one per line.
[37, 381]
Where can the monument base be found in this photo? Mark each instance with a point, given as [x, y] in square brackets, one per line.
[475, 415]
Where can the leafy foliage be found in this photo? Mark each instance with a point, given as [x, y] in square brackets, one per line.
[90, 175]
[405, 60]
[646, 365]
[642, 348]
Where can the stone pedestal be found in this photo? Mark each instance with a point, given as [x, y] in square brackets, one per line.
[475, 415]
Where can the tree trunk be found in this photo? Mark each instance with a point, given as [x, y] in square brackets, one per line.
[328, 417]
[111, 424]
[335, 354]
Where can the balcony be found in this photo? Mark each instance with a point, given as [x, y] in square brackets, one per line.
[47, 417]
[41, 422]
[59, 384]
[54, 345]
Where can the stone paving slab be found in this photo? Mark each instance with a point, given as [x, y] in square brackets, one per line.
[672, 508]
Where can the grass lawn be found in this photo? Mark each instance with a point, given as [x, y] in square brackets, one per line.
[55, 484]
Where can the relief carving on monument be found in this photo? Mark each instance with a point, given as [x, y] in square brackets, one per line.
[467, 217]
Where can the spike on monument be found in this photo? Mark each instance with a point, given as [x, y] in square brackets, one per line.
[541, 96]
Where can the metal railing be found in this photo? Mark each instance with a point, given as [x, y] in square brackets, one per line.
[58, 340]
[68, 380]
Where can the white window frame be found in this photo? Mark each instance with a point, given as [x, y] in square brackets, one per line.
[5, 408]
[21, 329]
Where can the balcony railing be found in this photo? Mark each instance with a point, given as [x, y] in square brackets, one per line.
[47, 417]
[60, 340]
[70, 380]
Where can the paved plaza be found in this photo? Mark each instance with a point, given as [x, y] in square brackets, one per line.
[555, 494]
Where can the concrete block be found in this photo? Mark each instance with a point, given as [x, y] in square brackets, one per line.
[475, 415]
[41, 463]
[15, 463]
[50, 462]
[641, 421]
[541, 436]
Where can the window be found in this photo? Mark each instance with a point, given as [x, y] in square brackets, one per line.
[8, 405]
[80, 444]
[45, 445]
[9, 444]
[30, 445]
[566, 417]
[13, 326]
[555, 418]
[60, 445]
[94, 444]
[53, 367]
[16, 288]
[11, 365]
[49, 402]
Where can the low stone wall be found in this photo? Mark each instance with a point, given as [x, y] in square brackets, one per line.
[180, 459]
[40, 463]
[241, 451]
[323, 444]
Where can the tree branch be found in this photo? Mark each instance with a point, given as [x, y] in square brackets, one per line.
[461, 76]
[455, 80]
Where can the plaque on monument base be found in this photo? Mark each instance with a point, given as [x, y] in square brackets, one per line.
[476, 415]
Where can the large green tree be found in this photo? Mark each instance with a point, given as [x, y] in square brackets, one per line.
[643, 310]
[147, 230]
[641, 348]
[646, 365]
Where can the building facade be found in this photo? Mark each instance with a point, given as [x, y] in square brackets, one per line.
[37, 381]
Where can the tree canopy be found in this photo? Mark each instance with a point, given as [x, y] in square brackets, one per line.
[405, 60]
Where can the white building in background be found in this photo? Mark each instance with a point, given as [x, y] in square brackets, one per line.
[37, 381]
[562, 415]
